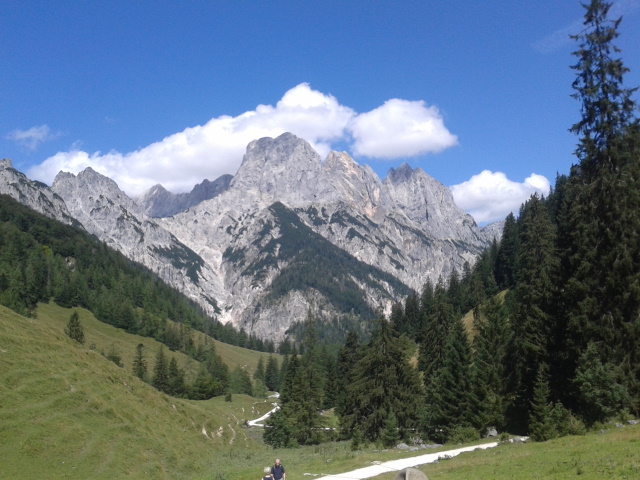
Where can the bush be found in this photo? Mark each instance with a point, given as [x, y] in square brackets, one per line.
[463, 435]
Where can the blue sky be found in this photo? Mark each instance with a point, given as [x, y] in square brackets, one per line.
[477, 94]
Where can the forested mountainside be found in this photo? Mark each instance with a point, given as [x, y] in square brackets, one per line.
[551, 345]
[43, 259]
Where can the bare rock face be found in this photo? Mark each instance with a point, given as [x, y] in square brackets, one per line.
[397, 234]
[35, 195]
[158, 202]
[107, 212]
[288, 235]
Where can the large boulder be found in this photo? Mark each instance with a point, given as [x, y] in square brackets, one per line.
[410, 474]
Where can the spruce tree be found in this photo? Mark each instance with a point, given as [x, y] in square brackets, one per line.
[600, 395]
[607, 107]
[449, 396]
[259, 374]
[272, 374]
[599, 222]
[140, 363]
[384, 383]
[491, 343]
[541, 424]
[160, 378]
[507, 253]
[535, 299]
[348, 357]
[74, 328]
[432, 349]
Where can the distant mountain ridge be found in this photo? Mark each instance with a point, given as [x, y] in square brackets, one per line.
[289, 234]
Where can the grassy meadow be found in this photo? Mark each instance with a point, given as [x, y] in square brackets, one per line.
[68, 412]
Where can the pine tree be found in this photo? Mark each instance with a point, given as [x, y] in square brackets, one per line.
[491, 343]
[599, 221]
[140, 363]
[74, 328]
[438, 321]
[450, 391]
[384, 383]
[600, 396]
[348, 357]
[160, 378]
[259, 374]
[535, 297]
[541, 425]
[272, 374]
[176, 383]
[507, 253]
[607, 108]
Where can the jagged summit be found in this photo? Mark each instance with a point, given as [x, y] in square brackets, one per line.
[158, 202]
[401, 174]
[288, 234]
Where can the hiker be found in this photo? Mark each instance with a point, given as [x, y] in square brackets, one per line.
[277, 471]
[267, 474]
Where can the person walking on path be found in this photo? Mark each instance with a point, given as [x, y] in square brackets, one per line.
[278, 471]
[267, 474]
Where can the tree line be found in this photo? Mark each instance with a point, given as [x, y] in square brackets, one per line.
[551, 344]
[42, 260]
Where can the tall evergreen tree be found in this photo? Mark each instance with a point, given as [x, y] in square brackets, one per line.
[598, 224]
[140, 363]
[491, 343]
[74, 328]
[438, 321]
[272, 374]
[259, 374]
[507, 253]
[450, 390]
[607, 107]
[160, 378]
[533, 320]
[384, 383]
[348, 357]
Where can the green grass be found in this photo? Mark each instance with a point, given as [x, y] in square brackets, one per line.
[614, 454]
[68, 412]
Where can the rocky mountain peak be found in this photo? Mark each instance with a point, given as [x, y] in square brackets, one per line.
[284, 169]
[401, 174]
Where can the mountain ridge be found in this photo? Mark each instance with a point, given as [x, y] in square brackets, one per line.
[406, 226]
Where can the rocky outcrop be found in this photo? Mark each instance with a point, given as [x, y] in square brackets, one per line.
[35, 195]
[158, 202]
[108, 213]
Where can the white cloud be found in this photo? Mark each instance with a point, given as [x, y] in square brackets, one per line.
[400, 128]
[33, 137]
[491, 196]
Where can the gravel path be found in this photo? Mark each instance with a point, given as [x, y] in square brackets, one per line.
[396, 465]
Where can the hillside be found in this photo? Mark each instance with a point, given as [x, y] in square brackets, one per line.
[68, 412]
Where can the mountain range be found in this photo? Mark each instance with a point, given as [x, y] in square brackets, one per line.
[290, 234]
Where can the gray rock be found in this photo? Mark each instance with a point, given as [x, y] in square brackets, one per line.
[158, 202]
[410, 474]
[491, 432]
[35, 195]
[229, 246]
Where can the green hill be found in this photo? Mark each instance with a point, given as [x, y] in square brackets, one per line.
[68, 412]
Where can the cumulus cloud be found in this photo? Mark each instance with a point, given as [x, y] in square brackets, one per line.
[400, 128]
[183, 159]
[491, 196]
[33, 137]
